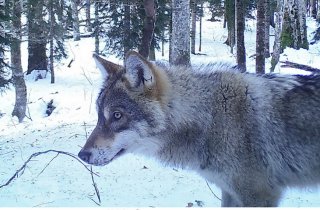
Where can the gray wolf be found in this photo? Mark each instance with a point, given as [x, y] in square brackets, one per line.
[251, 135]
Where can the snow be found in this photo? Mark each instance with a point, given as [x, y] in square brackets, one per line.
[129, 181]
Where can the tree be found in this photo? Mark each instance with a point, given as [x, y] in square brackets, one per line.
[148, 27]
[230, 20]
[193, 6]
[313, 5]
[260, 37]
[277, 33]
[37, 37]
[267, 28]
[75, 17]
[88, 15]
[240, 6]
[4, 41]
[294, 33]
[180, 40]
[17, 73]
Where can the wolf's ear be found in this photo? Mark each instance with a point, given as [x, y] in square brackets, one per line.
[107, 68]
[139, 70]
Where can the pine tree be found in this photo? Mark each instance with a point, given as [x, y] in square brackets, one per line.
[4, 41]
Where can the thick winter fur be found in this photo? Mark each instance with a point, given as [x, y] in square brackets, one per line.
[250, 135]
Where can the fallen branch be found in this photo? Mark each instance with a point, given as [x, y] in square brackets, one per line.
[289, 64]
[21, 169]
[212, 191]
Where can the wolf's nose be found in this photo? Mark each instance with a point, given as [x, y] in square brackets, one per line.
[84, 155]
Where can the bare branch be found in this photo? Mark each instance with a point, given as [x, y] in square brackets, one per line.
[212, 191]
[21, 169]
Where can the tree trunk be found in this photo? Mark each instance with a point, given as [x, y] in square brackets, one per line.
[260, 37]
[180, 43]
[88, 16]
[267, 28]
[76, 25]
[51, 37]
[37, 40]
[148, 27]
[17, 73]
[240, 26]
[313, 4]
[96, 27]
[278, 32]
[200, 28]
[127, 26]
[193, 25]
[230, 18]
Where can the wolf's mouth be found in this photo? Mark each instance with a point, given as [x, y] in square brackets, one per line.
[105, 161]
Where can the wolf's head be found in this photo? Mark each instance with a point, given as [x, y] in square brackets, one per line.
[130, 110]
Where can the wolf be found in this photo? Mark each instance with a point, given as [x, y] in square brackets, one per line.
[252, 135]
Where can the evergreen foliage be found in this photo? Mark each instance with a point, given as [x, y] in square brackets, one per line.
[4, 41]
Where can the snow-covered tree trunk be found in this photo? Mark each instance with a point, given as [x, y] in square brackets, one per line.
[260, 37]
[51, 39]
[277, 33]
[75, 17]
[17, 73]
[180, 40]
[240, 26]
[303, 24]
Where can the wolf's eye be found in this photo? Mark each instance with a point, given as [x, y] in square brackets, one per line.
[117, 115]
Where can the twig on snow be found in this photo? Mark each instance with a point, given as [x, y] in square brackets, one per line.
[37, 154]
[212, 191]
[95, 186]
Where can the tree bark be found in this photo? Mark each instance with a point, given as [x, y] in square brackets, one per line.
[200, 29]
[313, 4]
[240, 27]
[17, 73]
[230, 19]
[75, 16]
[267, 28]
[51, 39]
[96, 27]
[88, 16]
[37, 40]
[260, 37]
[180, 42]
[148, 27]
[193, 25]
[278, 31]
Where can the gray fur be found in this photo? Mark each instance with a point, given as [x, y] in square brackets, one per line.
[251, 135]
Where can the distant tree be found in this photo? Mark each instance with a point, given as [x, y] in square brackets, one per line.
[75, 17]
[37, 36]
[193, 7]
[4, 41]
[180, 40]
[294, 33]
[148, 27]
[230, 20]
[277, 34]
[267, 28]
[17, 73]
[260, 37]
[314, 8]
[216, 9]
[240, 6]
[88, 15]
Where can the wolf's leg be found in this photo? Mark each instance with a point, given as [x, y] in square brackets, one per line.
[228, 200]
[260, 197]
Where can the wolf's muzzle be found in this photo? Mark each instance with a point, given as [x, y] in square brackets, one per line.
[84, 155]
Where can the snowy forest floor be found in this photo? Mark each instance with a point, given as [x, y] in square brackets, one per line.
[130, 181]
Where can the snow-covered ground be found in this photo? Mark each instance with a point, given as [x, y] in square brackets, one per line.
[130, 181]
